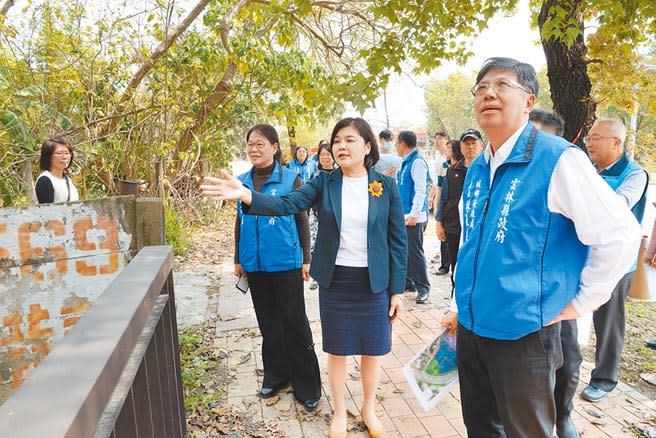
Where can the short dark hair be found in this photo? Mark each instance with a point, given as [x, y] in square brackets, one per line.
[365, 132]
[48, 148]
[324, 145]
[301, 147]
[271, 134]
[409, 138]
[526, 75]
[442, 134]
[456, 150]
[385, 134]
[549, 119]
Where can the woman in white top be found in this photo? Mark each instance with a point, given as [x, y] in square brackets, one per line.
[53, 185]
[359, 259]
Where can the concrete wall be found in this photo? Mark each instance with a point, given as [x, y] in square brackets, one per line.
[55, 261]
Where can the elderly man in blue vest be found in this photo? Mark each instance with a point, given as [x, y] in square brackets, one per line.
[544, 239]
[605, 144]
[413, 180]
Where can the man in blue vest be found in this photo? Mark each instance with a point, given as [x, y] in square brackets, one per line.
[413, 183]
[605, 144]
[544, 239]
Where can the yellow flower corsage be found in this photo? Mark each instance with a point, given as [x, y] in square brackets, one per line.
[376, 189]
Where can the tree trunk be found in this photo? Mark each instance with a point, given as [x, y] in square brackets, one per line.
[291, 132]
[150, 62]
[221, 90]
[568, 75]
[30, 189]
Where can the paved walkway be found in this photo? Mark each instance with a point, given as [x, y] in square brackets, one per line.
[398, 409]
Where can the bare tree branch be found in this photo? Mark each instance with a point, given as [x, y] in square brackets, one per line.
[8, 4]
[161, 49]
[220, 91]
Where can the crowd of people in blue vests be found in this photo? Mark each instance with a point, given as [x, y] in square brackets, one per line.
[534, 231]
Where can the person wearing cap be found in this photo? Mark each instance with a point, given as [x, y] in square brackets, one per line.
[530, 257]
[413, 183]
[447, 218]
[389, 162]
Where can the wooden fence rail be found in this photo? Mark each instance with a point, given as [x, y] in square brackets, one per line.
[117, 371]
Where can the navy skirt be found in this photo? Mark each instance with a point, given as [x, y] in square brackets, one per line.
[354, 320]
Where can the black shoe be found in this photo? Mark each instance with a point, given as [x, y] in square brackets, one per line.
[592, 394]
[422, 297]
[311, 405]
[651, 344]
[442, 271]
[565, 428]
[270, 392]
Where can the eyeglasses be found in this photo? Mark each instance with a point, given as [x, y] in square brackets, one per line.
[62, 154]
[258, 146]
[595, 138]
[502, 85]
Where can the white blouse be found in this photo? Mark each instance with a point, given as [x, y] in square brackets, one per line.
[60, 188]
[353, 231]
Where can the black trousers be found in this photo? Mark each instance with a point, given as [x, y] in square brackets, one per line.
[507, 387]
[567, 377]
[287, 346]
[417, 275]
[444, 255]
[453, 244]
[609, 329]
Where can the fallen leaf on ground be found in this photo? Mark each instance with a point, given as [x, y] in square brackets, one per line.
[593, 413]
[398, 391]
[243, 359]
[272, 401]
[221, 410]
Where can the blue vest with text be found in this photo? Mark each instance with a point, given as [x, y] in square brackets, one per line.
[269, 243]
[519, 264]
[407, 184]
[305, 170]
[616, 175]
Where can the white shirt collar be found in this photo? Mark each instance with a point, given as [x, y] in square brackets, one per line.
[504, 151]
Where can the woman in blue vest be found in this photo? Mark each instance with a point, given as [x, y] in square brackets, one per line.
[359, 259]
[273, 252]
[301, 165]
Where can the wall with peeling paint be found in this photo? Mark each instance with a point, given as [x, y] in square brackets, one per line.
[55, 261]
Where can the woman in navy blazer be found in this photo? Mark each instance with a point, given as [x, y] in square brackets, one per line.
[359, 259]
